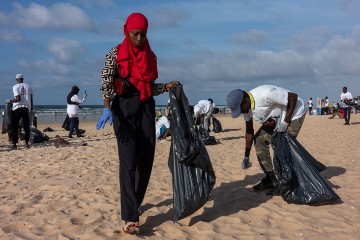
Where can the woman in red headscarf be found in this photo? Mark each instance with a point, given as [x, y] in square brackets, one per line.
[128, 88]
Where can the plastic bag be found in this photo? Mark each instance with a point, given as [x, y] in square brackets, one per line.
[7, 119]
[298, 174]
[206, 138]
[192, 174]
[216, 125]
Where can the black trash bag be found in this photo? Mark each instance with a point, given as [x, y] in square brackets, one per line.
[36, 136]
[296, 171]
[206, 138]
[216, 125]
[7, 119]
[66, 123]
[192, 174]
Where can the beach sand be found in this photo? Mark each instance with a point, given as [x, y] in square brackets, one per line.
[73, 192]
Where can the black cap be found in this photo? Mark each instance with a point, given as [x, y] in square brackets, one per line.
[75, 89]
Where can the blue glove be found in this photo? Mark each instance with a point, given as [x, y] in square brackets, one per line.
[246, 163]
[107, 115]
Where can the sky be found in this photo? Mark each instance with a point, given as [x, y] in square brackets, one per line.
[211, 47]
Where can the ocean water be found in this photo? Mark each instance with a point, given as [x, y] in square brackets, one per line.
[57, 113]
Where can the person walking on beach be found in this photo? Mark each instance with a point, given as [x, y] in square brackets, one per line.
[277, 109]
[346, 99]
[72, 110]
[127, 89]
[22, 105]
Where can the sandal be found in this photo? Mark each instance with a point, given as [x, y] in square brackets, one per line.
[131, 228]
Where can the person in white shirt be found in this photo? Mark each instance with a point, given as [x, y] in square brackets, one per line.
[310, 106]
[163, 128]
[203, 109]
[277, 109]
[73, 102]
[346, 99]
[22, 105]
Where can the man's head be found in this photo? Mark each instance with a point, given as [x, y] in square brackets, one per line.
[75, 89]
[210, 100]
[19, 77]
[215, 110]
[344, 89]
[239, 102]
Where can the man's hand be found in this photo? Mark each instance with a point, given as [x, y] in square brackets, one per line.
[282, 127]
[107, 115]
[246, 163]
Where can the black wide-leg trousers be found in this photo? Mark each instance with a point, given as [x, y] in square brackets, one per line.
[134, 127]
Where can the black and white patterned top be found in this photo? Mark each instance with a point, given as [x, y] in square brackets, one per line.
[110, 70]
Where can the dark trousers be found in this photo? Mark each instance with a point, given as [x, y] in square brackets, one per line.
[17, 115]
[74, 126]
[134, 127]
[347, 112]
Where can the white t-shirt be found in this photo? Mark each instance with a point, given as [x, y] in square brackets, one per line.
[161, 122]
[310, 103]
[25, 92]
[345, 97]
[72, 110]
[270, 105]
[203, 107]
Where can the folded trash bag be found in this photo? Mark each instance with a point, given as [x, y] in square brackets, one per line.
[36, 136]
[192, 174]
[298, 173]
[7, 119]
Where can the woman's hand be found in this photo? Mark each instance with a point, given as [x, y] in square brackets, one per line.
[170, 84]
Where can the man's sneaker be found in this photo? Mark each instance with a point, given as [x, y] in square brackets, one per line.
[265, 184]
[14, 147]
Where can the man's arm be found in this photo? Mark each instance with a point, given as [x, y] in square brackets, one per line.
[249, 137]
[292, 99]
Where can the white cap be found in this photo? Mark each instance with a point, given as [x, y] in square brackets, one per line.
[19, 75]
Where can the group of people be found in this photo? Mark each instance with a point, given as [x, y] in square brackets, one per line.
[347, 104]
[127, 89]
[132, 112]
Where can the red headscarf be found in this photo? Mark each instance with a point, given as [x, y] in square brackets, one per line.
[138, 62]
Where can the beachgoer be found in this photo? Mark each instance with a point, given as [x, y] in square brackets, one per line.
[163, 128]
[72, 110]
[327, 105]
[277, 109]
[346, 99]
[133, 112]
[310, 106]
[22, 105]
[203, 109]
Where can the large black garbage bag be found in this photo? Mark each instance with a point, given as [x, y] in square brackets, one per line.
[216, 125]
[296, 171]
[192, 173]
[7, 118]
[206, 138]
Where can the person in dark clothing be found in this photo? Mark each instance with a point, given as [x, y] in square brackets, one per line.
[128, 77]
[22, 105]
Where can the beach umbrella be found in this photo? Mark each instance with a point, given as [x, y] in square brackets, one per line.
[192, 174]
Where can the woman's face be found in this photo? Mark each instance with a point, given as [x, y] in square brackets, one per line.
[137, 37]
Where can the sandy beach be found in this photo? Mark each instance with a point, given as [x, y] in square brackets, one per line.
[72, 192]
